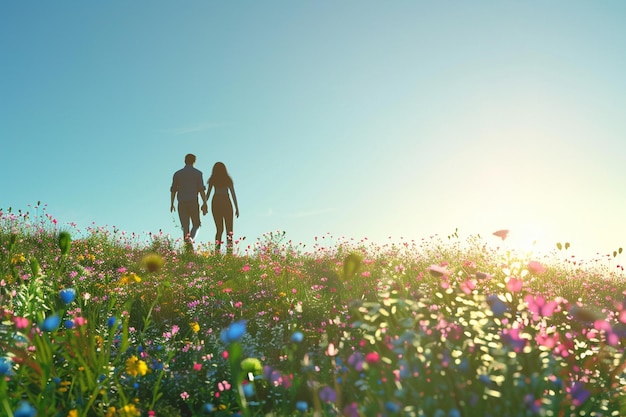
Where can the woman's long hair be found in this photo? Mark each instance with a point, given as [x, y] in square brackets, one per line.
[220, 177]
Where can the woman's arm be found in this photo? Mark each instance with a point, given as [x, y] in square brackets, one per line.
[232, 192]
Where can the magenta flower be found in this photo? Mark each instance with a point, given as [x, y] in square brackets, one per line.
[372, 358]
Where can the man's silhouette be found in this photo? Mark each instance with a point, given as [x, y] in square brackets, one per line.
[187, 184]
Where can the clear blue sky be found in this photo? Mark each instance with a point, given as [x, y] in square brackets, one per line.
[371, 119]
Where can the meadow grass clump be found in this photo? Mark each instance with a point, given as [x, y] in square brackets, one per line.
[99, 324]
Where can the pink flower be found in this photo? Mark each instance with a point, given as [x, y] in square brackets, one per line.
[502, 234]
[514, 284]
[184, 395]
[438, 271]
[536, 268]
[245, 268]
[468, 286]
[80, 321]
[372, 358]
[539, 306]
[21, 322]
[197, 366]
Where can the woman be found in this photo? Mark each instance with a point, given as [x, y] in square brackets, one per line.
[221, 206]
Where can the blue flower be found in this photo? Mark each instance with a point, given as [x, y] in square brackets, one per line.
[392, 407]
[497, 305]
[234, 332]
[454, 413]
[69, 324]
[248, 390]
[6, 366]
[51, 323]
[297, 337]
[302, 406]
[111, 321]
[208, 407]
[67, 295]
[25, 410]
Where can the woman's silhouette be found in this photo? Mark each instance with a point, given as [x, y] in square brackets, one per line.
[221, 206]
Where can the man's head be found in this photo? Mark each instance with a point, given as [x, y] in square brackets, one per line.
[190, 159]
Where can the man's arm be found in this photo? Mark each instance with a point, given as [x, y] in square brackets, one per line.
[205, 208]
[172, 201]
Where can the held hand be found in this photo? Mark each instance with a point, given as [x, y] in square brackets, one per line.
[172, 209]
[205, 209]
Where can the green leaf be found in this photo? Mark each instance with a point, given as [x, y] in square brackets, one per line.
[65, 241]
[351, 266]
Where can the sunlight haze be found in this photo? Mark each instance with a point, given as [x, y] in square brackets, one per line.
[374, 120]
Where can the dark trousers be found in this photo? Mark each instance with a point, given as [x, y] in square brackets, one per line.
[189, 210]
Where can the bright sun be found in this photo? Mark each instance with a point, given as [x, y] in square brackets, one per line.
[529, 240]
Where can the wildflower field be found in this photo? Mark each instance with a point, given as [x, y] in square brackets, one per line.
[100, 323]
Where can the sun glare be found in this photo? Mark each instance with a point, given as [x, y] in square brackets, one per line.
[528, 240]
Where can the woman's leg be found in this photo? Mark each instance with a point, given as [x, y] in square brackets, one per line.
[228, 220]
[218, 217]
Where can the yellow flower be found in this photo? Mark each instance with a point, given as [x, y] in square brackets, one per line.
[99, 340]
[110, 412]
[129, 410]
[129, 278]
[72, 413]
[18, 258]
[64, 386]
[195, 327]
[136, 366]
[153, 262]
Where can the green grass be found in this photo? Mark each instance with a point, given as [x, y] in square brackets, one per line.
[436, 327]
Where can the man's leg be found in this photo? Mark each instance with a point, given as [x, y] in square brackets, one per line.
[183, 215]
[195, 219]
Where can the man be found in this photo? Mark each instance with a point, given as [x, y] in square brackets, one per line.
[187, 183]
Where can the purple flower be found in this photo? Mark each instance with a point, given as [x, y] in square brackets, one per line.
[328, 395]
[356, 360]
[579, 393]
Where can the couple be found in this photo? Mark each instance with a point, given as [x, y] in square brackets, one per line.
[188, 183]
